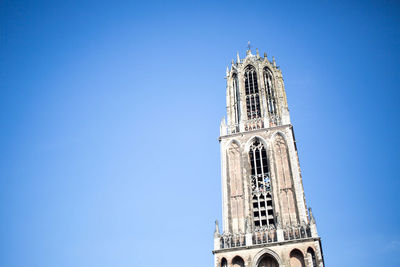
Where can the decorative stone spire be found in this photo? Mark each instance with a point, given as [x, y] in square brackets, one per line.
[222, 127]
[227, 71]
[273, 61]
[237, 57]
[258, 54]
[216, 232]
[248, 52]
[312, 219]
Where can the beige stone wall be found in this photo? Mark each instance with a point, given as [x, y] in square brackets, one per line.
[235, 188]
[287, 188]
[284, 178]
[280, 252]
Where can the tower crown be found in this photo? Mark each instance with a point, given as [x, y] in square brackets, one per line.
[255, 95]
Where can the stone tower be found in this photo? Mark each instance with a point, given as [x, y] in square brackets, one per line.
[265, 218]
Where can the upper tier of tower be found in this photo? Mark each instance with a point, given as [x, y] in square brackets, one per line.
[255, 95]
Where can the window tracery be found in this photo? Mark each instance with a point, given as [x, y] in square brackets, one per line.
[252, 93]
[263, 212]
[236, 98]
[270, 95]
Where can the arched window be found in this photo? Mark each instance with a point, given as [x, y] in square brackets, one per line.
[296, 259]
[311, 256]
[263, 211]
[237, 262]
[267, 261]
[270, 93]
[252, 93]
[224, 263]
[236, 97]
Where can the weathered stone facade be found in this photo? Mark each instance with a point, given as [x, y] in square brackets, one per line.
[265, 218]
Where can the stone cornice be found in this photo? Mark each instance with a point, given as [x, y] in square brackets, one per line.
[272, 244]
[256, 131]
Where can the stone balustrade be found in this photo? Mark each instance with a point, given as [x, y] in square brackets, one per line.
[264, 235]
[232, 240]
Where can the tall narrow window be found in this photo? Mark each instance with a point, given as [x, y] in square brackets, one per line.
[270, 94]
[263, 212]
[252, 93]
[224, 263]
[296, 259]
[311, 255]
[235, 88]
[237, 262]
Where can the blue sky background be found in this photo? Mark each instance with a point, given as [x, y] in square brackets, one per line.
[110, 114]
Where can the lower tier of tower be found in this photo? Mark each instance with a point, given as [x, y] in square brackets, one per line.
[306, 252]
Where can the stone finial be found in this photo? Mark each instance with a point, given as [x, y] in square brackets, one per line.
[222, 127]
[258, 54]
[312, 219]
[278, 221]
[227, 71]
[237, 57]
[265, 55]
[273, 61]
[247, 225]
[232, 62]
[248, 52]
[216, 232]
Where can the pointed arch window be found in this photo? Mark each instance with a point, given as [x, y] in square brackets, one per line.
[311, 255]
[252, 93]
[270, 93]
[236, 100]
[263, 212]
[224, 263]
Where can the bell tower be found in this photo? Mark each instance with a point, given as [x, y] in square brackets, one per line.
[265, 221]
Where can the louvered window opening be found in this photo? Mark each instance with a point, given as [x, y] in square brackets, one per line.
[263, 212]
[252, 94]
[271, 99]
[236, 98]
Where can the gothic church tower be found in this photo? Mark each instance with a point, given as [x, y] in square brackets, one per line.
[265, 218]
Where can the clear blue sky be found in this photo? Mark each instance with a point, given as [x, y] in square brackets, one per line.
[110, 116]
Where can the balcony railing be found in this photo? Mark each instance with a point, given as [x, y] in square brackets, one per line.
[296, 232]
[232, 240]
[264, 235]
[253, 124]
